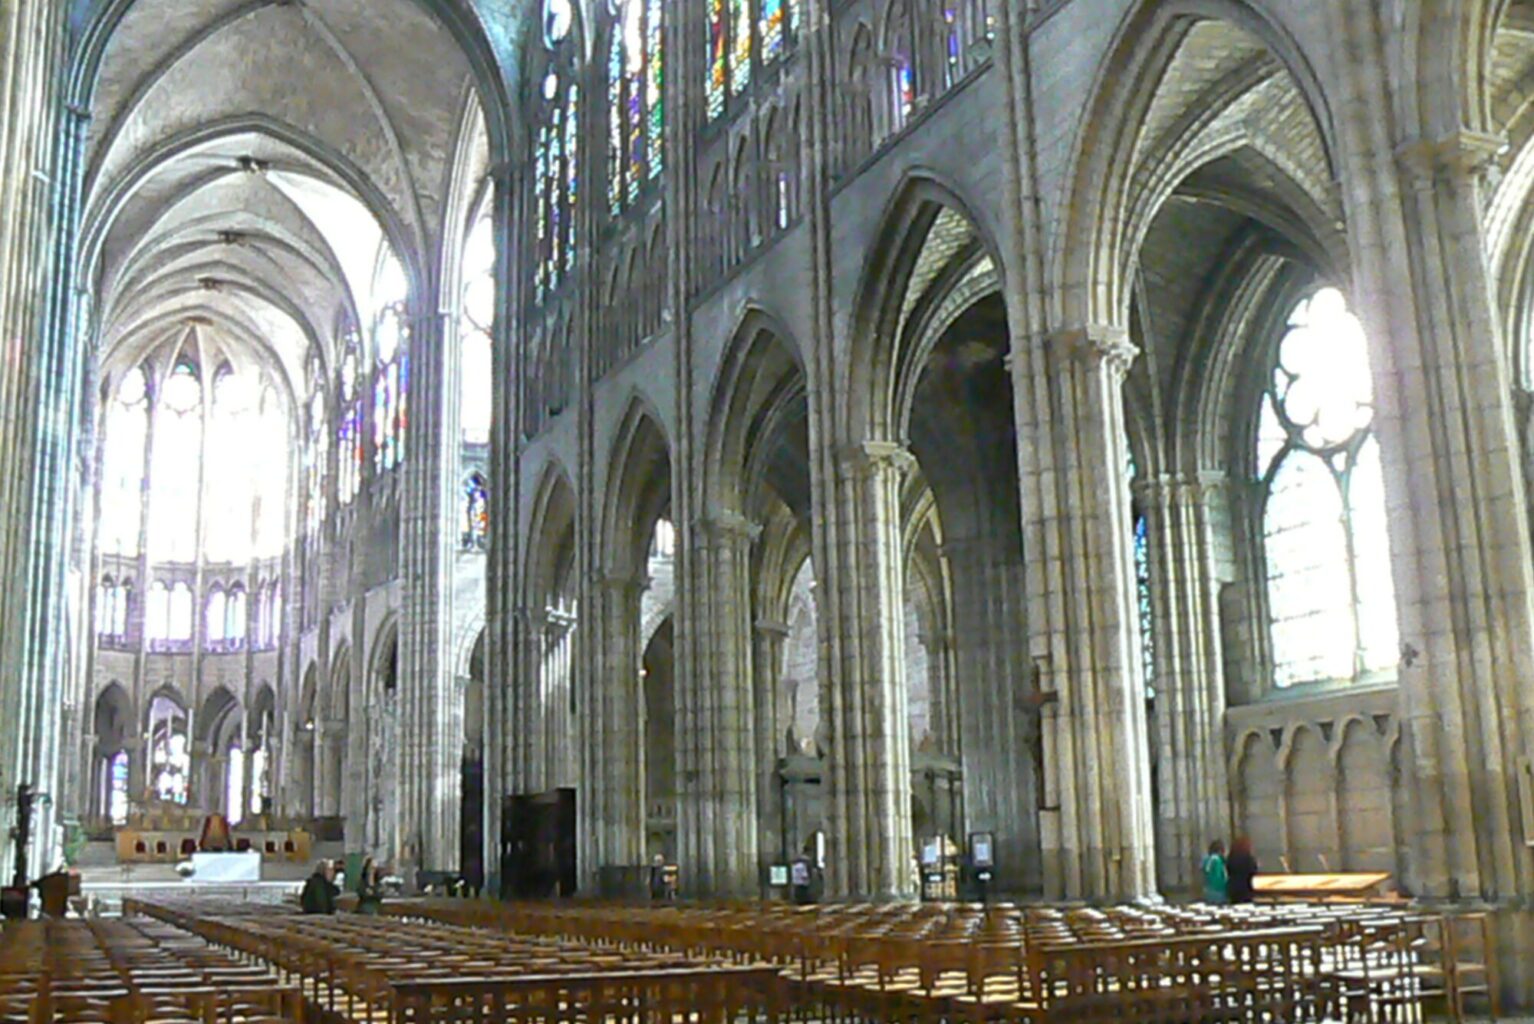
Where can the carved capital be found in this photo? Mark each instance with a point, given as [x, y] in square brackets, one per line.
[772, 630]
[1097, 345]
[873, 457]
[727, 525]
[1458, 155]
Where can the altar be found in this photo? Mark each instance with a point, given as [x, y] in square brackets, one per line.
[213, 868]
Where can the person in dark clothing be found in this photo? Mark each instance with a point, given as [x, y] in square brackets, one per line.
[319, 894]
[1240, 870]
[369, 889]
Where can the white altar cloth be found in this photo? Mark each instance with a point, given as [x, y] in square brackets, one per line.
[226, 867]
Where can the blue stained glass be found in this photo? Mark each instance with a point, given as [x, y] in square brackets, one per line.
[1143, 597]
[771, 28]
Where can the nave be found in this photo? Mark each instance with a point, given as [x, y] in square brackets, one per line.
[181, 960]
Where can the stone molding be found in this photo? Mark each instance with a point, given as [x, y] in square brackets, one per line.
[1426, 162]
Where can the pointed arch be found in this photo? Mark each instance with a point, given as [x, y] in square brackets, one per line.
[763, 369]
[638, 490]
[550, 555]
[929, 238]
[1090, 255]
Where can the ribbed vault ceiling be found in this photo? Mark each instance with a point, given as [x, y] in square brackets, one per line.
[245, 160]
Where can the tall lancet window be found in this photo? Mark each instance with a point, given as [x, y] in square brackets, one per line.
[316, 452]
[270, 467]
[125, 429]
[229, 490]
[1331, 599]
[351, 442]
[556, 157]
[391, 373]
[635, 103]
[744, 35]
[474, 324]
[176, 466]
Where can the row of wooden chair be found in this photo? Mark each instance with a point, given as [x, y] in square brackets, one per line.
[131, 972]
[970, 962]
[364, 968]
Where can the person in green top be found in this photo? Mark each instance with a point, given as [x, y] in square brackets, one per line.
[1215, 878]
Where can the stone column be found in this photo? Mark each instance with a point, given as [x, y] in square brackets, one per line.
[1194, 799]
[1068, 387]
[1458, 511]
[430, 727]
[767, 663]
[40, 368]
[716, 707]
[863, 697]
[618, 780]
[991, 663]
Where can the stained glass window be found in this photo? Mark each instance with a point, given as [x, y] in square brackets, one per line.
[391, 341]
[477, 316]
[179, 627]
[176, 467]
[772, 29]
[1331, 599]
[556, 179]
[170, 761]
[316, 453]
[217, 619]
[117, 788]
[740, 45]
[112, 601]
[1143, 598]
[236, 785]
[350, 442]
[125, 434]
[157, 612]
[742, 36]
[635, 99]
[230, 483]
[476, 513]
[718, 57]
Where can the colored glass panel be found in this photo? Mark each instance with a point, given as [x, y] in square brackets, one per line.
[572, 165]
[615, 124]
[740, 45]
[771, 26]
[719, 57]
[655, 106]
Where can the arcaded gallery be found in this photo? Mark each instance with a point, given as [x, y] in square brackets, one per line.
[766, 511]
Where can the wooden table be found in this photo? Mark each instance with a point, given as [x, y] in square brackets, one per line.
[1358, 885]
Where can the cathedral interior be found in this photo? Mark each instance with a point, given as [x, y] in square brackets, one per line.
[858, 431]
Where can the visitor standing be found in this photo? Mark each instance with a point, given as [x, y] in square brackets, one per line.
[1240, 870]
[1216, 880]
[369, 889]
[319, 894]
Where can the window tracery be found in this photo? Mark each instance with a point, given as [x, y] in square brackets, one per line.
[476, 513]
[176, 466]
[316, 453]
[474, 325]
[350, 439]
[1331, 598]
[125, 440]
[635, 103]
[113, 599]
[745, 37]
[556, 155]
[391, 356]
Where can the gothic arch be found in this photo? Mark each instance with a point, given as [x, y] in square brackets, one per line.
[550, 538]
[762, 369]
[930, 237]
[1091, 256]
[638, 490]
